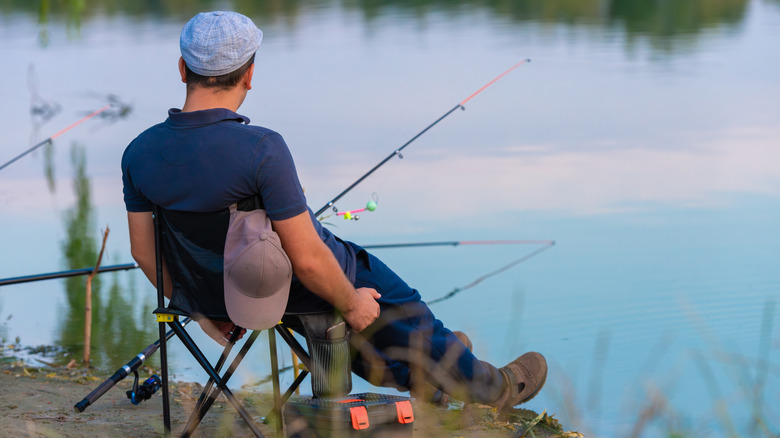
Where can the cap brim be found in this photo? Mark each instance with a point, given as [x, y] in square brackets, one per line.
[256, 313]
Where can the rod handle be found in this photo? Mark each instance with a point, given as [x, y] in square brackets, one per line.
[98, 392]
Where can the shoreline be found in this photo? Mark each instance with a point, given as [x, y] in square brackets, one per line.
[39, 401]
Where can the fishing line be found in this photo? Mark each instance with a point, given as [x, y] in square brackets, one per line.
[397, 152]
[129, 266]
[504, 268]
[460, 242]
[62, 131]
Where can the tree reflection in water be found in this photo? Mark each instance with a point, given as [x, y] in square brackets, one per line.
[120, 327]
[669, 26]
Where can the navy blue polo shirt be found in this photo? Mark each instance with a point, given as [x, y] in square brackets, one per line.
[204, 161]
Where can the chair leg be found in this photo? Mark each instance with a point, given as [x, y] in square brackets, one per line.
[275, 379]
[204, 363]
[199, 411]
[204, 404]
[158, 262]
[294, 385]
[287, 394]
[295, 346]
[164, 380]
[210, 393]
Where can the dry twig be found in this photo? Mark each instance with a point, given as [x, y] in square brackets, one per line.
[88, 301]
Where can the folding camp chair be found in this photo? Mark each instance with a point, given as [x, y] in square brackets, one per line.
[195, 241]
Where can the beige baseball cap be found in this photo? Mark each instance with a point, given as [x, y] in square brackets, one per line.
[257, 271]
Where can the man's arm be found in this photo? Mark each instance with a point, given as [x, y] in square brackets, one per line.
[141, 227]
[316, 267]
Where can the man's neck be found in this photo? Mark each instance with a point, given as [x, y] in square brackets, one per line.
[201, 98]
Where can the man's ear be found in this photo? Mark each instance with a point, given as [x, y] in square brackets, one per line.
[182, 69]
[248, 76]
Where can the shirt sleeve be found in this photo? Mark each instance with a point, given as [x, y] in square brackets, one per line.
[134, 201]
[277, 179]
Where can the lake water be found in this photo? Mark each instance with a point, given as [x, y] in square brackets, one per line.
[642, 138]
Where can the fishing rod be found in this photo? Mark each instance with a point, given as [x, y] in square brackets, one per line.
[128, 266]
[145, 391]
[51, 139]
[65, 274]
[138, 394]
[397, 152]
[371, 206]
[459, 243]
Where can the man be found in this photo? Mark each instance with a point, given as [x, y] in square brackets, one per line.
[206, 157]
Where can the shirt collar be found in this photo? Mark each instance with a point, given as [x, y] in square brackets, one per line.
[203, 117]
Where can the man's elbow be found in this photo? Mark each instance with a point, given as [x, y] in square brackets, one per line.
[306, 267]
[309, 259]
[136, 254]
[142, 258]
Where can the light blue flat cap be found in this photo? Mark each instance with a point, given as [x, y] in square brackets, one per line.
[217, 43]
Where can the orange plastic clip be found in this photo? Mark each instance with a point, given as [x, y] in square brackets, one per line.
[359, 416]
[405, 412]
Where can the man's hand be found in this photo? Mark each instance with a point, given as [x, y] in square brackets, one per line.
[219, 331]
[362, 309]
[319, 271]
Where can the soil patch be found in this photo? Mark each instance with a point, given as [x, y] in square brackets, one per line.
[38, 402]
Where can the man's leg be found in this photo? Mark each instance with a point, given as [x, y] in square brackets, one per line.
[408, 347]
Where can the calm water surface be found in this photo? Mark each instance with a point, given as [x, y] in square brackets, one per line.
[642, 138]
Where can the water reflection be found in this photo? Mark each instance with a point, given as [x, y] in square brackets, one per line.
[72, 10]
[41, 111]
[43, 21]
[3, 328]
[668, 26]
[660, 184]
[119, 109]
[48, 166]
[118, 330]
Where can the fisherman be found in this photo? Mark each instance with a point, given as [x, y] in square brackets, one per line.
[206, 157]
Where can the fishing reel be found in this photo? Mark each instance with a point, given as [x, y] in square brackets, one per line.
[144, 391]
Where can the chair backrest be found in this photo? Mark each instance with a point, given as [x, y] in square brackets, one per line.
[193, 246]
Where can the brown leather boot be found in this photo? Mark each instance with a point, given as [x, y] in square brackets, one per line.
[525, 377]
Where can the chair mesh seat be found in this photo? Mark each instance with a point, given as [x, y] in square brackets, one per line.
[193, 245]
